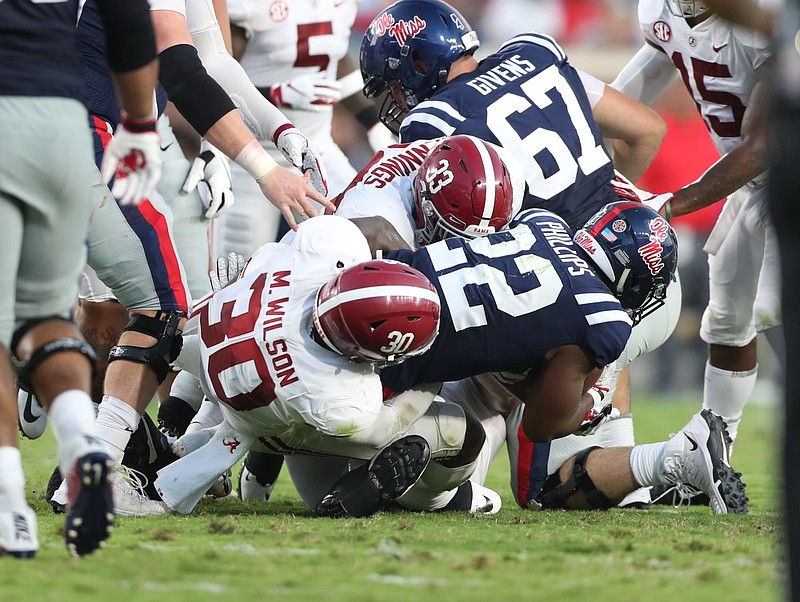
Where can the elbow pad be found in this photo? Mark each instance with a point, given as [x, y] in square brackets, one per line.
[198, 97]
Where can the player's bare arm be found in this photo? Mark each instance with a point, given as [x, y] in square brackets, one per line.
[554, 397]
[736, 168]
[636, 129]
[380, 233]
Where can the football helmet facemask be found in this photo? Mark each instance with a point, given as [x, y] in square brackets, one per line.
[407, 52]
[463, 188]
[378, 311]
[688, 9]
[636, 252]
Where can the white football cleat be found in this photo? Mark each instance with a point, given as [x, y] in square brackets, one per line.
[697, 456]
[32, 417]
[130, 498]
[251, 489]
[18, 533]
[484, 500]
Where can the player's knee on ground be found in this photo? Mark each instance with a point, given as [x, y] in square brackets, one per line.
[165, 328]
[37, 341]
[572, 488]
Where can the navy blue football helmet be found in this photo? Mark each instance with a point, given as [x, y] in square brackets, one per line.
[407, 52]
[635, 251]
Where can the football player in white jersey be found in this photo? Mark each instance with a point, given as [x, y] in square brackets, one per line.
[292, 50]
[720, 65]
[309, 395]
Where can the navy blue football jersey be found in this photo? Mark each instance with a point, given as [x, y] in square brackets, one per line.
[101, 94]
[509, 298]
[39, 49]
[527, 98]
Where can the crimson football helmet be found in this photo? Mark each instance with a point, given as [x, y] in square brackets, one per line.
[688, 9]
[407, 52]
[636, 252]
[378, 311]
[463, 188]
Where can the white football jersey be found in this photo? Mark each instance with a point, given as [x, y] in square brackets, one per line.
[258, 357]
[385, 187]
[717, 62]
[292, 38]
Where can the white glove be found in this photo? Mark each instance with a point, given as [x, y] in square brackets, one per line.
[133, 159]
[300, 152]
[312, 92]
[212, 168]
[227, 270]
[379, 137]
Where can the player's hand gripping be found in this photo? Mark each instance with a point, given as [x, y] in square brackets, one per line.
[300, 152]
[133, 159]
[211, 167]
[600, 413]
[312, 92]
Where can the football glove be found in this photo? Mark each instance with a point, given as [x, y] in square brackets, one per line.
[300, 152]
[600, 413]
[133, 159]
[211, 167]
[311, 92]
[227, 270]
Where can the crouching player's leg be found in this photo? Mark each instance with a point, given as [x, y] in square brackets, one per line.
[572, 473]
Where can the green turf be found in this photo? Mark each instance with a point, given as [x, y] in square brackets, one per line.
[229, 550]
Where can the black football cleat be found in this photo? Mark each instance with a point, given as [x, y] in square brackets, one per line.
[90, 513]
[372, 487]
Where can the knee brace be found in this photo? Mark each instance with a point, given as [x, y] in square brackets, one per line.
[554, 494]
[168, 344]
[39, 355]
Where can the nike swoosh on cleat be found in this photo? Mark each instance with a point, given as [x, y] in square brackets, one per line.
[27, 411]
[718, 48]
[692, 441]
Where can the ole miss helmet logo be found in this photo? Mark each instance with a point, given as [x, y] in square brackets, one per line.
[399, 30]
[653, 251]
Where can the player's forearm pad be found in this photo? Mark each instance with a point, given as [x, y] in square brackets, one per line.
[130, 41]
[198, 97]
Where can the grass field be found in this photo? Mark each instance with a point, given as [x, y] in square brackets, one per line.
[236, 551]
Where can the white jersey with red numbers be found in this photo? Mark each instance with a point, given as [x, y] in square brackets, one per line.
[717, 62]
[257, 354]
[292, 38]
[385, 187]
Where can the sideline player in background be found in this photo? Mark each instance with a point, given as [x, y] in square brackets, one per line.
[722, 68]
[45, 200]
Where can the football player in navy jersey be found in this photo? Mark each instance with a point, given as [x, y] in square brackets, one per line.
[525, 97]
[535, 279]
[528, 99]
[46, 178]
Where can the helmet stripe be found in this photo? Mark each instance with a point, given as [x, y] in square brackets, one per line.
[611, 216]
[491, 183]
[373, 292]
